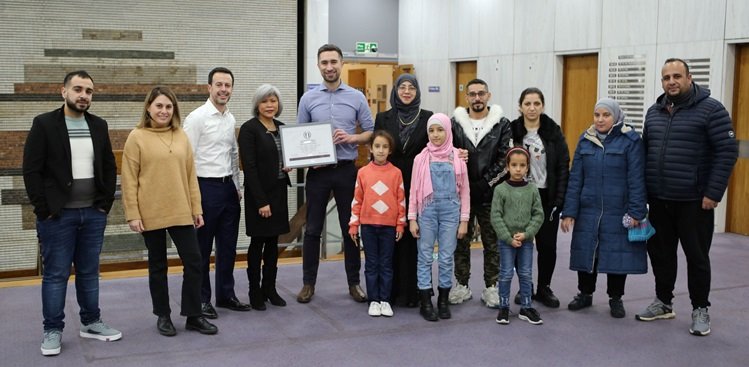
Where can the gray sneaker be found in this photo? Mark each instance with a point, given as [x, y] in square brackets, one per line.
[656, 311]
[51, 342]
[459, 294]
[101, 331]
[700, 322]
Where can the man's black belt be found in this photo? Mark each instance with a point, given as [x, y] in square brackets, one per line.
[218, 179]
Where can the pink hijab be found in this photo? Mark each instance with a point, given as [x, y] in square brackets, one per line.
[421, 177]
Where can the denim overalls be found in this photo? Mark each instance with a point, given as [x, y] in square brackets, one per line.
[439, 221]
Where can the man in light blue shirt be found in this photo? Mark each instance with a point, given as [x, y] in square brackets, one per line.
[345, 108]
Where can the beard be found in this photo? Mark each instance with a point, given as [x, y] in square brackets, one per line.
[74, 107]
[332, 79]
[478, 107]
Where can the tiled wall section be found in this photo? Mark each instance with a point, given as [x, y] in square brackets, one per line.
[128, 47]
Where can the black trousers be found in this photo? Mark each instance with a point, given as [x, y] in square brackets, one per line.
[688, 223]
[185, 240]
[586, 282]
[546, 242]
[405, 290]
[340, 179]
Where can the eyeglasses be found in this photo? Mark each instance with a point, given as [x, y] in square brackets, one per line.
[480, 94]
[409, 88]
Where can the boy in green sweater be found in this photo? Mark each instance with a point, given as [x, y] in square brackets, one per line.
[516, 216]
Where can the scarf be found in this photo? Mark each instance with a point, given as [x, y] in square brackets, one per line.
[421, 177]
[405, 112]
[616, 112]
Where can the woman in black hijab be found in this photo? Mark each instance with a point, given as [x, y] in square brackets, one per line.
[406, 122]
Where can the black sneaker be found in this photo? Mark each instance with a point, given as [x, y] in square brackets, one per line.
[531, 315]
[617, 308]
[581, 301]
[546, 296]
[503, 317]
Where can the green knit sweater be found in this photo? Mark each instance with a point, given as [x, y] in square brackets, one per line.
[516, 209]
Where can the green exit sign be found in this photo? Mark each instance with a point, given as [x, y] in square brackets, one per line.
[366, 48]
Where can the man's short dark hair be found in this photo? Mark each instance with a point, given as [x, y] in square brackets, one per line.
[477, 81]
[220, 70]
[676, 59]
[79, 73]
[329, 47]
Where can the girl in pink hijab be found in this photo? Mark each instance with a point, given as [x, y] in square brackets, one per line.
[438, 210]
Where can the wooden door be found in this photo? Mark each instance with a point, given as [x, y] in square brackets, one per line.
[465, 72]
[357, 79]
[738, 188]
[579, 96]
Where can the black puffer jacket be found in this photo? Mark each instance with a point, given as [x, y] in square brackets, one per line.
[557, 157]
[690, 151]
[486, 158]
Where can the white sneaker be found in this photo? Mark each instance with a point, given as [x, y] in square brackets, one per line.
[375, 309]
[385, 309]
[490, 297]
[459, 294]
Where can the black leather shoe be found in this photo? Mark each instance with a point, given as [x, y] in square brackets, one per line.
[165, 326]
[546, 296]
[581, 301]
[357, 293]
[208, 311]
[233, 304]
[201, 325]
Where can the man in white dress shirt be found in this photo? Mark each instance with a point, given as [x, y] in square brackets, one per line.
[211, 129]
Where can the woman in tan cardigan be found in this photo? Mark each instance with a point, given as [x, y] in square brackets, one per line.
[160, 194]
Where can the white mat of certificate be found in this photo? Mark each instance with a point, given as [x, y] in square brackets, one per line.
[309, 144]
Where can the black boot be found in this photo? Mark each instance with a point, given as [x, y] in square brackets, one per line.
[443, 306]
[257, 298]
[269, 286]
[427, 309]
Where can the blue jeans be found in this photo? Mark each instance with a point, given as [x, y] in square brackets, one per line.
[508, 257]
[438, 222]
[75, 237]
[379, 242]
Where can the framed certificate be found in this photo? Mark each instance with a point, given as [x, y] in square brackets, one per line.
[306, 145]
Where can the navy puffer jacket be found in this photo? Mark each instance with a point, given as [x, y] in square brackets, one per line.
[607, 181]
[690, 151]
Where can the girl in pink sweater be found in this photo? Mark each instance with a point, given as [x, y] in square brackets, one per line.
[438, 210]
[379, 206]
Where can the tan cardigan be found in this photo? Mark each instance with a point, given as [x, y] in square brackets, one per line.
[159, 183]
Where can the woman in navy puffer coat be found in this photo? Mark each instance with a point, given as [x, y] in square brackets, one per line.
[606, 182]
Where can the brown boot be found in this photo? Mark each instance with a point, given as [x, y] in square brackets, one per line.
[305, 295]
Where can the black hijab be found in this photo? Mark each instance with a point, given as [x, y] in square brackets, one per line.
[406, 112]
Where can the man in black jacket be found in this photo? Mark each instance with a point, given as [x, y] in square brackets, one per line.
[485, 133]
[691, 150]
[70, 175]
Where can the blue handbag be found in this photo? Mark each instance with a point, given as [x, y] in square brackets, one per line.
[641, 232]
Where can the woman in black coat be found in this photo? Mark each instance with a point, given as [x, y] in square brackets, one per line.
[549, 171]
[406, 122]
[265, 192]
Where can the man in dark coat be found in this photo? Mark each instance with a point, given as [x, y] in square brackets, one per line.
[691, 150]
[70, 176]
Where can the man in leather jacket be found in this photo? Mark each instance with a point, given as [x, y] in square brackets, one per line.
[484, 132]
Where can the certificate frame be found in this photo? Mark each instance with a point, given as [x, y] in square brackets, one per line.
[307, 144]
